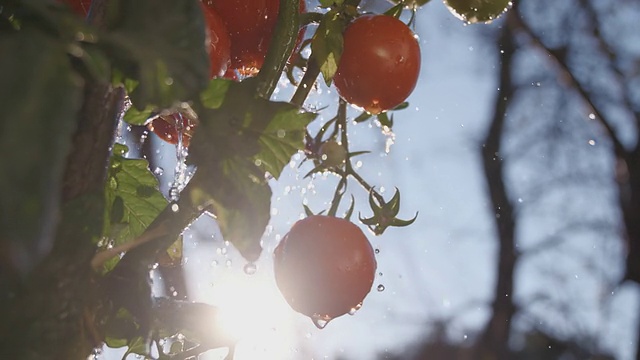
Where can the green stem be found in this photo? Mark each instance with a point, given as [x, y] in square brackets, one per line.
[310, 18]
[309, 78]
[282, 45]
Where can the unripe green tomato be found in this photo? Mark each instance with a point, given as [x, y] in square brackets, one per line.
[474, 11]
[332, 154]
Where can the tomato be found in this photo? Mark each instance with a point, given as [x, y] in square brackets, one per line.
[165, 127]
[380, 63]
[324, 267]
[250, 24]
[80, 7]
[218, 42]
[473, 11]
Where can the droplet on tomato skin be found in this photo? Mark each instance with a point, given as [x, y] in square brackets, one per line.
[355, 309]
[320, 321]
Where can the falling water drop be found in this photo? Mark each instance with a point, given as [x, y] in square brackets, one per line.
[250, 268]
[381, 288]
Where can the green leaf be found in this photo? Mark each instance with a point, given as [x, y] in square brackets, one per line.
[240, 200]
[40, 97]
[233, 147]
[131, 193]
[213, 96]
[134, 116]
[327, 3]
[282, 138]
[160, 44]
[327, 44]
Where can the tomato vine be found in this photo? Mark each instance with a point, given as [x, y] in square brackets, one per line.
[105, 216]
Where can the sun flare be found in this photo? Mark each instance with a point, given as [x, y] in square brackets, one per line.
[251, 312]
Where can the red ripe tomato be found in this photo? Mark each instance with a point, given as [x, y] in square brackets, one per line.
[80, 7]
[165, 127]
[380, 63]
[250, 24]
[324, 267]
[218, 42]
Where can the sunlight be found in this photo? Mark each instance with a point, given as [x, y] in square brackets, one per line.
[252, 311]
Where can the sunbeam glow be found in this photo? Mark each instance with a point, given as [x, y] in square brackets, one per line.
[251, 311]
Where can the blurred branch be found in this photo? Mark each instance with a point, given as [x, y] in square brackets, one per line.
[494, 342]
[559, 237]
[606, 48]
[559, 58]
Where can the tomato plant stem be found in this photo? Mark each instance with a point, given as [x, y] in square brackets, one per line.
[282, 45]
[341, 124]
[309, 78]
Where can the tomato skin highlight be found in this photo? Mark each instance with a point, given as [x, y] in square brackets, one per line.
[250, 24]
[218, 42]
[324, 267]
[380, 63]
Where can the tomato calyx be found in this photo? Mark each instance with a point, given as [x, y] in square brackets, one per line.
[385, 213]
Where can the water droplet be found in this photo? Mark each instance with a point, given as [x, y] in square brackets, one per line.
[592, 116]
[214, 263]
[377, 251]
[250, 268]
[175, 208]
[380, 288]
[320, 321]
[158, 171]
[592, 142]
[228, 263]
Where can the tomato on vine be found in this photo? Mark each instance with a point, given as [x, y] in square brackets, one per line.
[250, 25]
[380, 63]
[218, 42]
[324, 267]
[166, 128]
